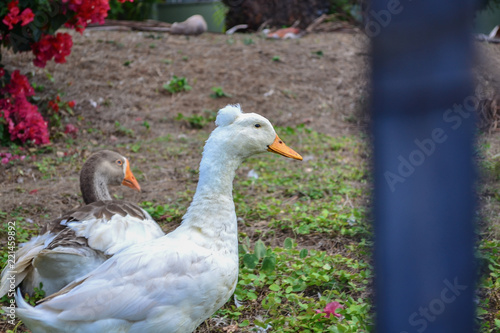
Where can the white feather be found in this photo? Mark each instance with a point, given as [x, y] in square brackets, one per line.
[117, 233]
[228, 115]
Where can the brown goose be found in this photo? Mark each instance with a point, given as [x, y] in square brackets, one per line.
[102, 169]
[79, 241]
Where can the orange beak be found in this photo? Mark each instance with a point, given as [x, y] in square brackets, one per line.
[279, 147]
[130, 180]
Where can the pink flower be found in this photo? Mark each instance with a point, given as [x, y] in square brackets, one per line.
[13, 16]
[71, 129]
[5, 160]
[26, 17]
[23, 120]
[330, 309]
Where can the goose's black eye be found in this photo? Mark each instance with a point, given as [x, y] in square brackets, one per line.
[257, 125]
[119, 162]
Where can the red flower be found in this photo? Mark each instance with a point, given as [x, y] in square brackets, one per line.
[71, 104]
[54, 106]
[13, 16]
[48, 47]
[330, 309]
[19, 85]
[89, 11]
[13, 4]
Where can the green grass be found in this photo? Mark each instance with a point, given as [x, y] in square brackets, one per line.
[218, 92]
[198, 121]
[177, 84]
[283, 287]
[489, 306]
[122, 130]
[48, 165]
[488, 249]
[325, 194]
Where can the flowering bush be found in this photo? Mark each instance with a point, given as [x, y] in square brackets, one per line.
[22, 118]
[31, 26]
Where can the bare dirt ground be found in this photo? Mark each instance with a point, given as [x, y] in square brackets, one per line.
[118, 77]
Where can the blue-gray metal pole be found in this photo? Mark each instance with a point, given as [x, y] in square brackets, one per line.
[423, 128]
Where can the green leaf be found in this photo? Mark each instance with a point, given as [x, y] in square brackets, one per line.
[303, 229]
[318, 53]
[56, 22]
[269, 264]
[303, 253]
[288, 243]
[136, 147]
[260, 249]
[481, 311]
[259, 323]
[37, 34]
[250, 260]
[274, 287]
[251, 295]
[242, 249]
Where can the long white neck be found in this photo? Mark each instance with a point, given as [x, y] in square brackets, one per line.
[211, 215]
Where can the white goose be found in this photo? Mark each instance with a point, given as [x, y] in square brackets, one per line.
[78, 242]
[173, 283]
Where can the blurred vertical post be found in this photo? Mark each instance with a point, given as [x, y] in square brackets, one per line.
[423, 126]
